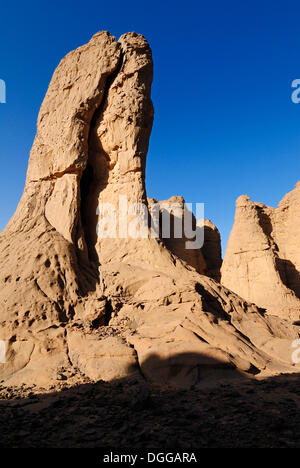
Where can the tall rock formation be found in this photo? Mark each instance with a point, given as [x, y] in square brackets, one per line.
[262, 261]
[206, 260]
[212, 251]
[106, 307]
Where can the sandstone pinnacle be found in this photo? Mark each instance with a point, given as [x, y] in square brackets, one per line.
[77, 305]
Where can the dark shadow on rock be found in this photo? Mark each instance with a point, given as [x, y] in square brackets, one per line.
[94, 179]
[187, 370]
[207, 259]
[264, 222]
[289, 275]
[130, 413]
[177, 245]
[212, 252]
[211, 302]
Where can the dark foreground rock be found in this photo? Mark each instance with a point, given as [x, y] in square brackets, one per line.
[241, 414]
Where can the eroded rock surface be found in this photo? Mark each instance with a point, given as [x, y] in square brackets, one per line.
[171, 218]
[262, 261]
[105, 308]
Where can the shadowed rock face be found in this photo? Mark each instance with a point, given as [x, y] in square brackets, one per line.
[72, 302]
[206, 260]
[262, 261]
[212, 250]
[174, 210]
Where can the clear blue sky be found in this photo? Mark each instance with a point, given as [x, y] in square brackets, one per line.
[224, 125]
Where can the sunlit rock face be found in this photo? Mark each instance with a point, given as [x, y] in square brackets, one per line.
[77, 304]
[262, 261]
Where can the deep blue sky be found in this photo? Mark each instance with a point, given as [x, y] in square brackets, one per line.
[224, 125]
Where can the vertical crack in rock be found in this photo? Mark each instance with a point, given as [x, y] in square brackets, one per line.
[118, 144]
[89, 182]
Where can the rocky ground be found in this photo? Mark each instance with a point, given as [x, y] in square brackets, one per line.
[240, 414]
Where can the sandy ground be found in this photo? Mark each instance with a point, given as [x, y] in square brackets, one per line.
[235, 414]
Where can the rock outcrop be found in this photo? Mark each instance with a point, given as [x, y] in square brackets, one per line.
[206, 260]
[212, 251]
[76, 304]
[262, 261]
[172, 213]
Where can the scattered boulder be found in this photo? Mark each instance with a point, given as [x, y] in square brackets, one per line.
[101, 359]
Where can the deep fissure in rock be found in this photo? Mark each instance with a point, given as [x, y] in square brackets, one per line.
[85, 186]
[90, 181]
